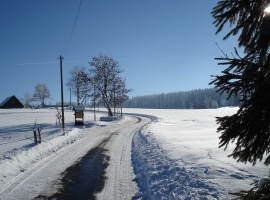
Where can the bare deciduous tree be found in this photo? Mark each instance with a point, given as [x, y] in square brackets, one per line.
[28, 98]
[78, 82]
[42, 92]
[110, 87]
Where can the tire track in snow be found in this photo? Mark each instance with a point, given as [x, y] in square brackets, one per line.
[86, 177]
[120, 183]
[75, 185]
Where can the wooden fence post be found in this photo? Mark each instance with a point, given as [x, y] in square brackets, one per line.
[35, 136]
[39, 135]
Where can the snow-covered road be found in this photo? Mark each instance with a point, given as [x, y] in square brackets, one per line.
[43, 179]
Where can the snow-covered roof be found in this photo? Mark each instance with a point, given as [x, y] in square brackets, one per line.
[6, 100]
[78, 108]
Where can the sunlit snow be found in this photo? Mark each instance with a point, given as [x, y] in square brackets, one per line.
[175, 156]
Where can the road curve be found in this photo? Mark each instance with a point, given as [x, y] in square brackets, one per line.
[98, 167]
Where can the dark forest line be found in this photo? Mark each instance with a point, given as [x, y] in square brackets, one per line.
[194, 99]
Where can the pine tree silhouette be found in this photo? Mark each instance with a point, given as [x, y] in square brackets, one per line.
[249, 77]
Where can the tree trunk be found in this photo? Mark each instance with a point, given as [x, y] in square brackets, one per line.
[78, 92]
[106, 105]
[42, 103]
[110, 111]
[78, 97]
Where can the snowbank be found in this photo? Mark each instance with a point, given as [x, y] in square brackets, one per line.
[160, 177]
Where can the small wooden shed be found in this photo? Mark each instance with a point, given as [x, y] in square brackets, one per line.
[79, 115]
[11, 102]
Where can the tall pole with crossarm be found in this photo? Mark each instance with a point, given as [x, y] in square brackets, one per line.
[62, 94]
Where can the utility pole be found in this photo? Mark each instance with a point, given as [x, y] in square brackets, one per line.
[114, 99]
[62, 94]
[70, 99]
[94, 101]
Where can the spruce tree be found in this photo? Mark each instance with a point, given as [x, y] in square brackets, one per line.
[248, 76]
[249, 20]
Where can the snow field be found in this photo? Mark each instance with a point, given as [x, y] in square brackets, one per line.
[177, 157]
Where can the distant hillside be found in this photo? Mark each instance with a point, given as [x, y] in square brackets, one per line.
[193, 99]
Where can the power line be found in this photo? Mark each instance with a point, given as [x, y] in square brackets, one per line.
[43, 63]
[73, 28]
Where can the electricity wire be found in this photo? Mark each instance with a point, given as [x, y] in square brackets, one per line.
[67, 45]
[73, 28]
[43, 63]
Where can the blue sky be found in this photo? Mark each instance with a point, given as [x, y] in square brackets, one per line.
[162, 46]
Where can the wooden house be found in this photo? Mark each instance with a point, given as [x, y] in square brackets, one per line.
[11, 102]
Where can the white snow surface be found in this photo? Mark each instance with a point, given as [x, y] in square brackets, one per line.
[161, 154]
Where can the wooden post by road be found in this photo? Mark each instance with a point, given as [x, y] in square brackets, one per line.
[62, 94]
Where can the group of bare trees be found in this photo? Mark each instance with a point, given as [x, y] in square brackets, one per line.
[101, 83]
[41, 93]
